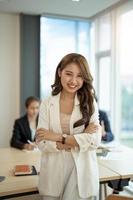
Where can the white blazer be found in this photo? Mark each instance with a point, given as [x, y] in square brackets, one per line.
[51, 172]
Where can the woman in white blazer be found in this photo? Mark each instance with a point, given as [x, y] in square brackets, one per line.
[68, 134]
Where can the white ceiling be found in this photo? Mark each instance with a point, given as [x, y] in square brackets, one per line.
[84, 8]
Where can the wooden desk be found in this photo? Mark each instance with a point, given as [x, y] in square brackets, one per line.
[17, 185]
[20, 185]
[120, 161]
[122, 167]
[106, 174]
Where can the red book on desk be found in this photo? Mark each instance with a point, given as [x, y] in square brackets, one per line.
[23, 169]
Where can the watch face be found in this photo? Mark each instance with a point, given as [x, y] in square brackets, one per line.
[64, 138]
[64, 135]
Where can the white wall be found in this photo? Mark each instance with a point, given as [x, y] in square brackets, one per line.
[9, 75]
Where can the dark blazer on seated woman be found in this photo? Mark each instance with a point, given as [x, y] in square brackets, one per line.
[21, 132]
[108, 137]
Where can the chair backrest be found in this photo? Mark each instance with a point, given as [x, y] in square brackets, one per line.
[118, 197]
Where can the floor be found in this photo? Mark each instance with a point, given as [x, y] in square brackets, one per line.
[128, 191]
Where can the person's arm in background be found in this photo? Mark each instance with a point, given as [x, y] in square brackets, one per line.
[16, 137]
[107, 134]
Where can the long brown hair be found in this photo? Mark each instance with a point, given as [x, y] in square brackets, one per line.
[85, 93]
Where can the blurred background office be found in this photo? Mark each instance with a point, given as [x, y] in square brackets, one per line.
[34, 35]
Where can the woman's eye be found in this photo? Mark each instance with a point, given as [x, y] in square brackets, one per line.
[80, 76]
[68, 74]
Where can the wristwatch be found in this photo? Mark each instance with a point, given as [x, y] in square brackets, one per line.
[64, 136]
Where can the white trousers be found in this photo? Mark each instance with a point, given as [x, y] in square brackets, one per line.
[70, 187]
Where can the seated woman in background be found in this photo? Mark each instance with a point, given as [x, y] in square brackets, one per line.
[25, 127]
[107, 134]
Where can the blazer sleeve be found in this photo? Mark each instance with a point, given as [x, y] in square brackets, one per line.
[43, 122]
[109, 135]
[16, 137]
[91, 141]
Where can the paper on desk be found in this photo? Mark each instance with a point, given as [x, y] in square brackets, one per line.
[117, 151]
[29, 151]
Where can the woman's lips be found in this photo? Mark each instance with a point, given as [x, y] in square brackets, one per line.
[72, 86]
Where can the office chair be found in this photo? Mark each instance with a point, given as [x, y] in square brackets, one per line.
[118, 197]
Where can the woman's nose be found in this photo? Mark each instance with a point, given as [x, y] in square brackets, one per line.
[73, 80]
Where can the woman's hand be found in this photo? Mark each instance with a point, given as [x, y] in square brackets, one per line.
[29, 147]
[41, 134]
[44, 134]
[61, 146]
[92, 128]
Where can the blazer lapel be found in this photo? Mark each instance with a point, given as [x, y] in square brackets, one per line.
[55, 113]
[55, 124]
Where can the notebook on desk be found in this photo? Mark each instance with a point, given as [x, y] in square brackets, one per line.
[24, 170]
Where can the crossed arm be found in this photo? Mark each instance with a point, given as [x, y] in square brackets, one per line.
[70, 142]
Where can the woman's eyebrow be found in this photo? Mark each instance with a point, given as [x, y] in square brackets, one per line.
[68, 71]
[72, 72]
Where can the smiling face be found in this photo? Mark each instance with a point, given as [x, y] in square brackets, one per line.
[71, 78]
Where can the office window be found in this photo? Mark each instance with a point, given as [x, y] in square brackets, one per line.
[126, 76]
[101, 59]
[111, 53]
[58, 38]
[104, 83]
[104, 23]
[93, 53]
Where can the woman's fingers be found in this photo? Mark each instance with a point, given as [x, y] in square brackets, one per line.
[41, 130]
[91, 128]
[92, 125]
[61, 146]
[39, 139]
[40, 134]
